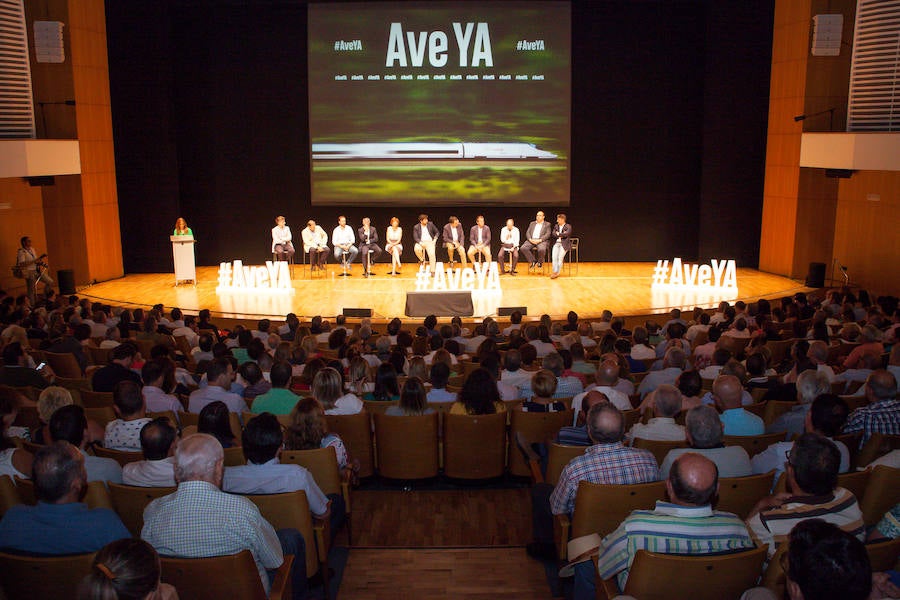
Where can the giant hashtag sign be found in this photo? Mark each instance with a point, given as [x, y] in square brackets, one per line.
[225, 274]
[661, 272]
[423, 278]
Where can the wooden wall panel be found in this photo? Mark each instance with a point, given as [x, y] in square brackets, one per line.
[24, 216]
[866, 239]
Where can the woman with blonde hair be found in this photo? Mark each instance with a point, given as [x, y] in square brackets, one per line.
[417, 368]
[543, 385]
[413, 400]
[328, 389]
[358, 375]
[181, 227]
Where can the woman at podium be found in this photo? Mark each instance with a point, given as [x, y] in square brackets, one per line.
[181, 228]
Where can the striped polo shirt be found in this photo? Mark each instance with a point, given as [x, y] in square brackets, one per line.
[839, 508]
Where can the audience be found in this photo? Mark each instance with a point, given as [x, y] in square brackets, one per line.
[14, 462]
[328, 389]
[413, 400]
[123, 433]
[666, 401]
[810, 385]
[119, 369]
[882, 414]
[309, 430]
[703, 431]
[158, 442]
[154, 374]
[727, 393]
[126, 569]
[69, 424]
[220, 375]
[279, 400]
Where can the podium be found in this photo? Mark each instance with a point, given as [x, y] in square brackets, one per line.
[183, 256]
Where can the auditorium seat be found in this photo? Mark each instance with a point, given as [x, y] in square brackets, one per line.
[129, 502]
[322, 464]
[474, 446]
[407, 446]
[230, 576]
[43, 577]
[739, 495]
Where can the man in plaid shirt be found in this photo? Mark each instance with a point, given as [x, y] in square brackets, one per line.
[608, 461]
[882, 415]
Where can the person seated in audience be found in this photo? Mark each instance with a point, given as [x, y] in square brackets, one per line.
[690, 385]
[566, 357]
[673, 365]
[155, 333]
[542, 389]
[16, 371]
[703, 430]
[701, 324]
[577, 434]
[279, 400]
[215, 420]
[512, 373]
[674, 318]
[123, 433]
[112, 338]
[684, 525]
[606, 378]
[882, 414]
[703, 353]
[328, 389]
[126, 569]
[864, 367]
[641, 349]
[73, 344]
[154, 375]
[870, 343]
[810, 385]
[811, 470]
[59, 523]
[413, 400]
[719, 358]
[309, 430]
[738, 329]
[666, 401]
[579, 360]
[607, 461]
[566, 386]
[417, 367]
[14, 461]
[727, 393]
[197, 519]
[440, 374]
[491, 363]
[219, 375]
[758, 373]
[261, 442]
[203, 349]
[69, 424]
[386, 386]
[478, 396]
[825, 417]
[50, 399]
[159, 438]
[825, 563]
[252, 376]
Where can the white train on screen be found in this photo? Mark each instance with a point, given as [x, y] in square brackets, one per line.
[430, 150]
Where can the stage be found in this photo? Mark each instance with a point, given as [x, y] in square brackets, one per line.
[623, 288]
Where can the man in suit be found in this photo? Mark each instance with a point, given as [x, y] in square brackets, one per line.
[315, 243]
[561, 244]
[453, 240]
[509, 242]
[537, 237]
[368, 240]
[425, 235]
[480, 240]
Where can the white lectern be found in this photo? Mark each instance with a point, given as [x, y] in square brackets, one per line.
[183, 255]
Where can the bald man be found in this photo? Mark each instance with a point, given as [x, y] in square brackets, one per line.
[727, 392]
[882, 414]
[685, 525]
[606, 377]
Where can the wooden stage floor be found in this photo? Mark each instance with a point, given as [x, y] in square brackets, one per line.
[623, 288]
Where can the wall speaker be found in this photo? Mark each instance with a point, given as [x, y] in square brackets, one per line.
[358, 312]
[505, 311]
[66, 280]
[42, 180]
[816, 275]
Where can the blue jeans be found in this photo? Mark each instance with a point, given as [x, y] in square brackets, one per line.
[351, 253]
[559, 253]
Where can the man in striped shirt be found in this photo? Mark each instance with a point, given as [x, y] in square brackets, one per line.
[812, 470]
[686, 525]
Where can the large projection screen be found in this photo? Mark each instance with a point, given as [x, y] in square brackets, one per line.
[440, 103]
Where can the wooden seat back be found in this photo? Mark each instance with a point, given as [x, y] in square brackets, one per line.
[474, 446]
[407, 446]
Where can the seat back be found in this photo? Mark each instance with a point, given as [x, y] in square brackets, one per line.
[43, 577]
[851, 440]
[188, 418]
[374, 407]
[9, 495]
[230, 576]
[356, 432]
[290, 510]
[601, 508]
[753, 444]
[321, 462]
[558, 456]
[129, 502]
[91, 399]
[102, 416]
[122, 457]
[655, 576]
[883, 555]
[474, 446]
[64, 364]
[776, 408]
[856, 482]
[631, 417]
[882, 493]
[234, 456]
[95, 495]
[407, 446]
[877, 446]
[98, 356]
[537, 427]
[657, 447]
[738, 495]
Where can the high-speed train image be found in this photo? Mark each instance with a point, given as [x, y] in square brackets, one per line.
[427, 150]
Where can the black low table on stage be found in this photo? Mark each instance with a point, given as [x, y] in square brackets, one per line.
[439, 304]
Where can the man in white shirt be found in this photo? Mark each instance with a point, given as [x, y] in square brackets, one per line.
[158, 443]
[509, 242]
[606, 377]
[315, 243]
[512, 374]
[662, 427]
[343, 239]
[282, 246]
[188, 330]
[219, 374]
[425, 236]
[480, 240]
